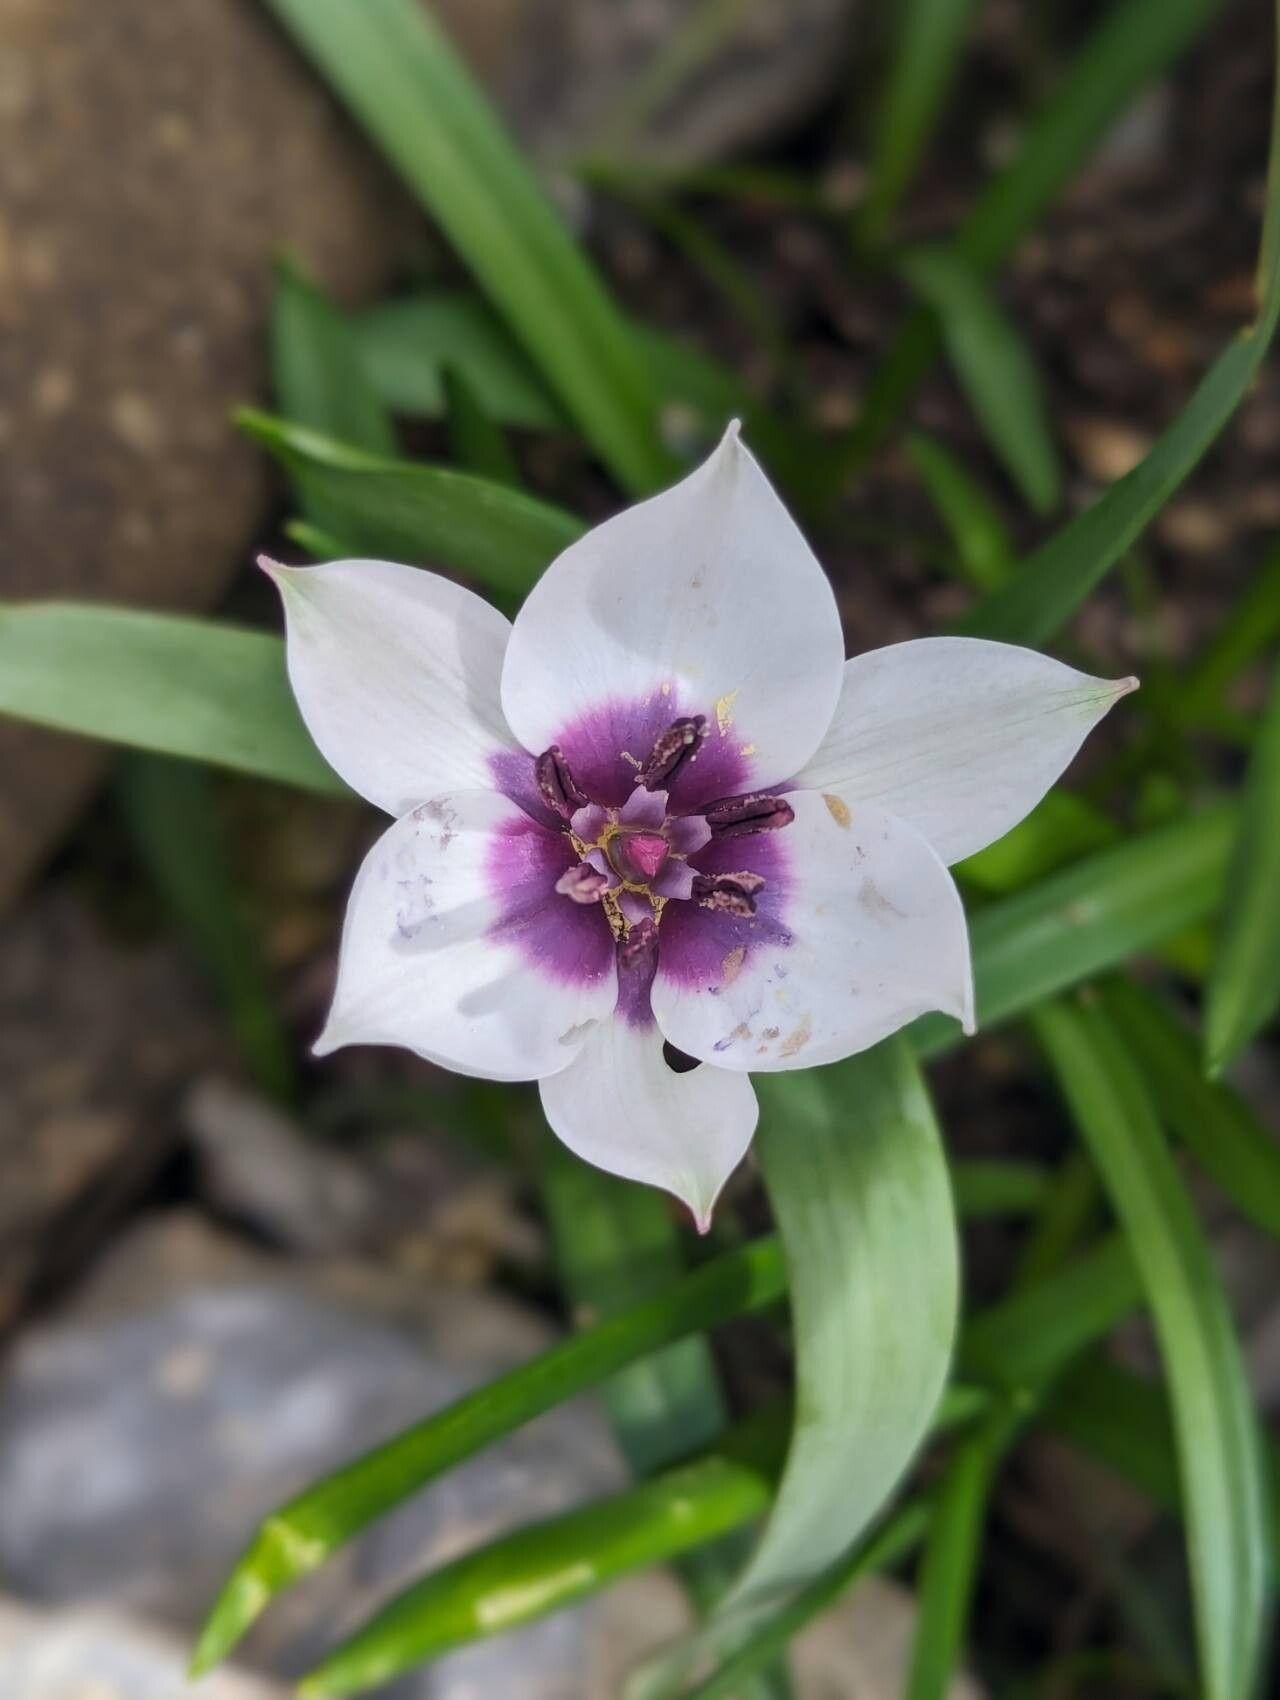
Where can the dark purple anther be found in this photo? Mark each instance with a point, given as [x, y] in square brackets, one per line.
[731, 894]
[556, 785]
[582, 883]
[671, 750]
[758, 811]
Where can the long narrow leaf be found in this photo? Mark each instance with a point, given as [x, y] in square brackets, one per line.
[950, 1565]
[984, 551]
[160, 682]
[1243, 993]
[1218, 1444]
[406, 511]
[1211, 1119]
[1089, 917]
[317, 369]
[391, 63]
[925, 60]
[995, 369]
[1048, 589]
[1135, 42]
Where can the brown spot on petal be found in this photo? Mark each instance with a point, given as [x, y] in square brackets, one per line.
[731, 967]
[837, 808]
[796, 1041]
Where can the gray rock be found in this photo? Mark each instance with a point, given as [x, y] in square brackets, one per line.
[141, 1443]
[92, 1656]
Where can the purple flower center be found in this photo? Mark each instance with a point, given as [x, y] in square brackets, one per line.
[639, 856]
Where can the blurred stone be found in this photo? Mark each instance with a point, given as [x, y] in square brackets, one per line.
[151, 159]
[258, 1165]
[197, 1384]
[72, 1655]
[94, 1037]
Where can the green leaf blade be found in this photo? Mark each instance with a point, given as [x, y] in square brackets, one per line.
[1243, 993]
[159, 682]
[392, 64]
[1218, 1443]
[317, 369]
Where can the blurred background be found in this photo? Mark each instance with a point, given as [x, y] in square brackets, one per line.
[224, 1268]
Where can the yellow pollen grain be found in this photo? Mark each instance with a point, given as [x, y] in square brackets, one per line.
[837, 808]
[724, 711]
[747, 750]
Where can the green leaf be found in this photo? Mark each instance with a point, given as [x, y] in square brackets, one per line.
[983, 547]
[994, 1186]
[1210, 1118]
[1243, 992]
[171, 812]
[410, 512]
[769, 1639]
[1089, 917]
[297, 1538]
[159, 682]
[317, 370]
[994, 368]
[1218, 1443]
[925, 61]
[548, 1565]
[392, 64]
[1060, 829]
[406, 344]
[1134, 44]
[1251, 624]
[1022, 1342]
[1049, 588]
[858, 1182]
[949, 1568]
[477, 442]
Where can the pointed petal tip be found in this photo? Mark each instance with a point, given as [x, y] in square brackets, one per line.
[1126, 686]
[270, 566]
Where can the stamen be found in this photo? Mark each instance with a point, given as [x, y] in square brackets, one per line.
[557, 786]
[731, 894]
[671, 750]
[757, 811]
[582, 883]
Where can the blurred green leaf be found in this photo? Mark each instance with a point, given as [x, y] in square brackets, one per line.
[984, 551]
[1211, 1119]
[1047, 590]
[994, 367]
[858, 1182]
[407, 511]
[1135, 43]
[317, 371]
[193, 688]
[770, 1638]
[1024, 1340]
[1218, 1444]
[1060, 829]
[948, 1570]
[1250, 625]
[1089, 917]
[1243, 992]
[298, 1537]
[477, 442]
[994, 1186]
[170, 810]
[406, 344]
[546, 1566]
[392, 64]
[926, 57]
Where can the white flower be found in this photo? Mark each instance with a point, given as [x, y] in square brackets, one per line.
[661, 806]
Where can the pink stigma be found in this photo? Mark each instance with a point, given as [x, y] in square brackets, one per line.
[646, 852]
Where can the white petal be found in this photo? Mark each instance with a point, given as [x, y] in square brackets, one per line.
[706, 593]
[621, 1106]
[457, 946]
[874, 935]
[960, 736]
[397, 674]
